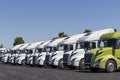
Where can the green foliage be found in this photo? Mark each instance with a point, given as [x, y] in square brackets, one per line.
[60, 35]
[87, 31]
[1, 46]
[18, 40]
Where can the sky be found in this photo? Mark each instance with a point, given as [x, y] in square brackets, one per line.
[41, 20]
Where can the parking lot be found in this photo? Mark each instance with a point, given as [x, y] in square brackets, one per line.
[15, 72]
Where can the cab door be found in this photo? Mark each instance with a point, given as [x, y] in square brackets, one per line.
[117, 49]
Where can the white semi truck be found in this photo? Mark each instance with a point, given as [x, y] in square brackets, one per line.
[83, 44]
[6, 57]
[64, 51]
[30, 51]
[14, 53]
[50, 49]
[21, 57]
[33, 57]
[40, 53]
[45, 57]
[2, 53]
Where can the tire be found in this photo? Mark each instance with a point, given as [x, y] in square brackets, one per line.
[81, 64]
[45, 65]
[110, 66]
[23, 63]
[60, 64]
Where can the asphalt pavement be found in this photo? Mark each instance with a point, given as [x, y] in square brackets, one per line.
[15, 72]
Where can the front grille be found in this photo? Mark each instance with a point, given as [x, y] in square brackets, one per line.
[65, 58]
[26, 59]
[34, 59]
[14, 59]
[88, 59]
[47, 58]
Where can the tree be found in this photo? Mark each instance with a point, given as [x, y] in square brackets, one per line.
[1, 46]
[18, 40]
[60, 35]
[87, 31]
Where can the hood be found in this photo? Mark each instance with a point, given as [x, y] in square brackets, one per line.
[99, 51]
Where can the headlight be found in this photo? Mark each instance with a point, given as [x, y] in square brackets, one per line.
[73, 54]
[54, 54]
[98, 53]
[97, 63]
[39, 56]
[73, 60]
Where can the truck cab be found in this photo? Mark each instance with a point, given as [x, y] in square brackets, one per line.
[88, 42]
[41, 51]
[21, 57]
[2, 53]
[14, 53]
[30, 53]
[50, 49]
[107, 56]
[34, 55]
[65, 48]
[57, 56]
[6, 56]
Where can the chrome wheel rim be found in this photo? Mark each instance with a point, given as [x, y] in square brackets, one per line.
[110, 67]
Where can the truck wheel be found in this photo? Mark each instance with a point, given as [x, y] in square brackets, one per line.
[110, 66]
[45, 64]
[81, 64]
[23, 62]
[60, 64]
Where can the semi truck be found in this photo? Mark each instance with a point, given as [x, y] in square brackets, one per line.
[21, 56]
[65, 48]
[50, 49]
[6, 57]
[107, 56]
[14, 53]
[41, 53]
[2, 53]
[32, 60]
[85, 43]
[30, 51]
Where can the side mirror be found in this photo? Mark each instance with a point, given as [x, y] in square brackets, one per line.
[118, 46]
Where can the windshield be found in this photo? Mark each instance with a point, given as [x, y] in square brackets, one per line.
[2, 51]
[8, 52]
[68, 47]
[63, 48]
[29, 51]
[24, 51]
[60, 48]
[18, 51]
[86, 45]
[108, 43]
[50, 49]
[38, 50]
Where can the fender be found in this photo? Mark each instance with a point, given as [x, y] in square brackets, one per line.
[104, 60]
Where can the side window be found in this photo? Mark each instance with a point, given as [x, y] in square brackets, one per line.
[93, 45]
[71, 47]
[54, 49]
[118, 43]
[31, 51]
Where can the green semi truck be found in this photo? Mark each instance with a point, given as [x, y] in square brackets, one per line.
[107, 56]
